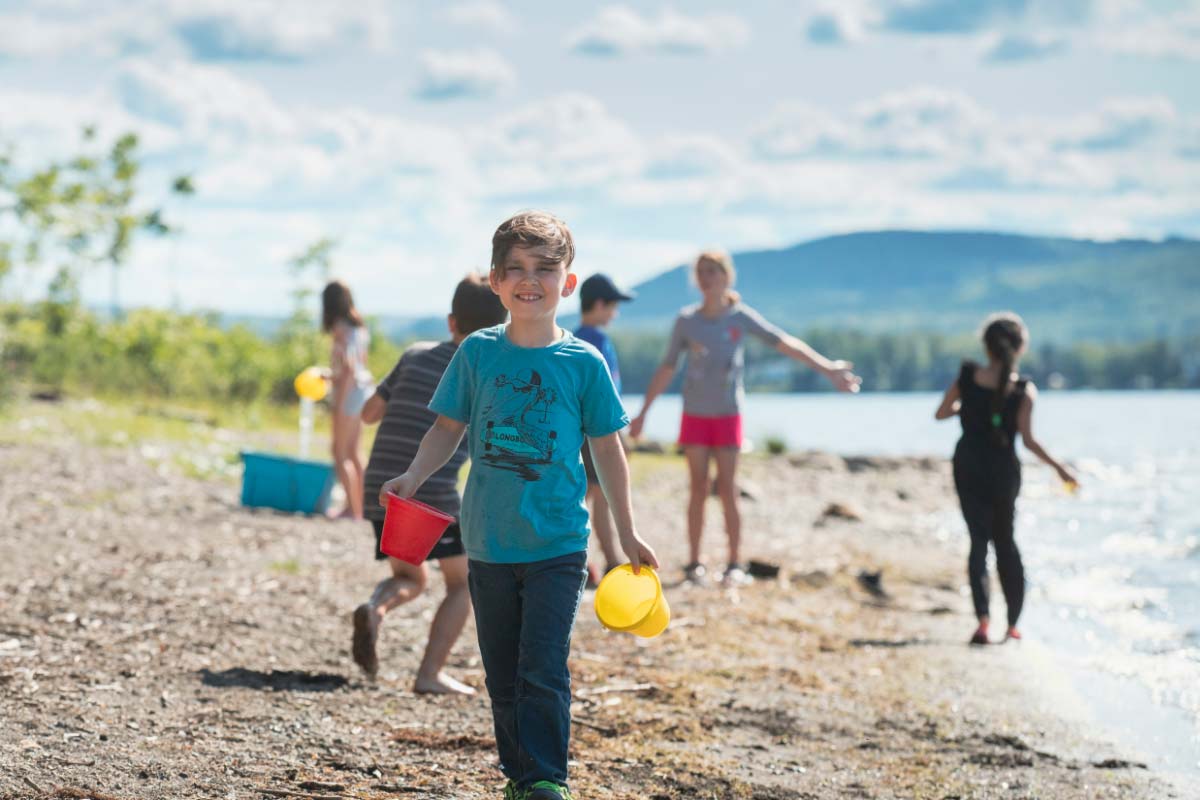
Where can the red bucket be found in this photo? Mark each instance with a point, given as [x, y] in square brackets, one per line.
[411, 529]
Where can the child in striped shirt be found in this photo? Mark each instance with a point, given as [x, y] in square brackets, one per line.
[400, 404]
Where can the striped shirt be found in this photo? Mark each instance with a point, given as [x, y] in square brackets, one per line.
[407, 390]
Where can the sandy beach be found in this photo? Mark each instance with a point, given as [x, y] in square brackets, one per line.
[159, 641]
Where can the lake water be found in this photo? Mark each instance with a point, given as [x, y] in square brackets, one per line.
[1114, 570]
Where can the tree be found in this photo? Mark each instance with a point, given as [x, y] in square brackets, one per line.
[315, 260]
[79, 212]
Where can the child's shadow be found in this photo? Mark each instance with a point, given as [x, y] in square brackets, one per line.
[276, 681]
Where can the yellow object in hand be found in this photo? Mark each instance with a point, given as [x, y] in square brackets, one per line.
[311, 385]
[632, 603]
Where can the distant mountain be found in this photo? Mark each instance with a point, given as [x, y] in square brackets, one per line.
[1067, 289]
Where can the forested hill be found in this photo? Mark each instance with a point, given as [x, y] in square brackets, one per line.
[896, 281]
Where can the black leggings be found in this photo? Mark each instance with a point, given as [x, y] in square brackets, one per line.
[988, 498]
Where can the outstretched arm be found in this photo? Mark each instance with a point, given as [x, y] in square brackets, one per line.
[951, 402]
[613, 471]
[1025, 427]
[838, 372]
[658, 385]
[439, 443]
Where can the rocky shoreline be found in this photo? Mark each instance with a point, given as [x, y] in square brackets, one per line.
[159, 641]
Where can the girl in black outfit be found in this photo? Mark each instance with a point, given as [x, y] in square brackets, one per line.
[994, 404]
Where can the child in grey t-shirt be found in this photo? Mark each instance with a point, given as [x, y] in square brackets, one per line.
[713, 334]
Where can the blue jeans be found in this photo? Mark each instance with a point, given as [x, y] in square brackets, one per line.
[524, 614]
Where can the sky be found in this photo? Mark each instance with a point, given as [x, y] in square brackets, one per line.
[407, 130]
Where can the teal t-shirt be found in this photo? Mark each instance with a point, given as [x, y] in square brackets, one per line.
[527, 410]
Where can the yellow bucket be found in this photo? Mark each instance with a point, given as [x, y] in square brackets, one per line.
[310, 384]
[632, 603]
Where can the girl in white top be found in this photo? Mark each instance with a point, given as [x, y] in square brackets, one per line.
[352, 385]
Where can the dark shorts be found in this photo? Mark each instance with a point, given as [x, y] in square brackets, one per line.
[450, 544]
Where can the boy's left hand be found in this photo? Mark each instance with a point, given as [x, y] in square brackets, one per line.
[638, 552]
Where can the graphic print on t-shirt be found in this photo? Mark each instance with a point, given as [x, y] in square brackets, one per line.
[515, 435]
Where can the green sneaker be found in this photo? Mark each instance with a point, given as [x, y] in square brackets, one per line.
[548, 790]
[511, 792]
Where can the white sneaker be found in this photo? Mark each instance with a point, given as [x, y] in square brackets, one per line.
[735, 575]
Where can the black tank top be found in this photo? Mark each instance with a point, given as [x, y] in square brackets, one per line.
[982, 426]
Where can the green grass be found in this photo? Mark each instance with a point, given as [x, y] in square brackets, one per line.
[288, 567]
[203, 441]
[196, 440]
[644, 467]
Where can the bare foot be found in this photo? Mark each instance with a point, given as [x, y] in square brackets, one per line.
[441, 684]
[366, 631]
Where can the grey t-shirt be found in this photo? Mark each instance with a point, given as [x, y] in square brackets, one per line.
[712, 385]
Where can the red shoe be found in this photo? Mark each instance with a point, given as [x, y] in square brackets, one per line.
[1013, 633]
[980, 636]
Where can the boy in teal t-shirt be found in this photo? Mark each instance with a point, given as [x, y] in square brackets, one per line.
[527, 394]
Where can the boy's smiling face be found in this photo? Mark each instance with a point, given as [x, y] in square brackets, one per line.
[532, 283]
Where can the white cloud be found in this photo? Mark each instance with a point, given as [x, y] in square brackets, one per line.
[1016, 47]
[1136, 33]
[202, 101]
[618, 30]
[209, 30]
[834, 28]
[415, 204]
[840, 23]
[569, 141]
[691, 156]
[1121, 124]
[484, 14]
[923, 122]
[447, 75]
[44, 126]
[219, 30]
[1019, 30]
[798, 130]
[956, 17]
[47, 35]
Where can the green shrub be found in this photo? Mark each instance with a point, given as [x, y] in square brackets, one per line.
[161, 354]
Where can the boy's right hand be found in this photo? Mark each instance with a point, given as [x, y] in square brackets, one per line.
[404, 486]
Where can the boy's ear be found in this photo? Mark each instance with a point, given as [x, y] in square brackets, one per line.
[452, 324]
[569, 286]
[494, 280]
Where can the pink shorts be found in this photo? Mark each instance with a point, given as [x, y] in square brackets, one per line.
[711, 431]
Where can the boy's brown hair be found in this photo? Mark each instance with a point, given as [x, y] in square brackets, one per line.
[475, 306]
[533, 229]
